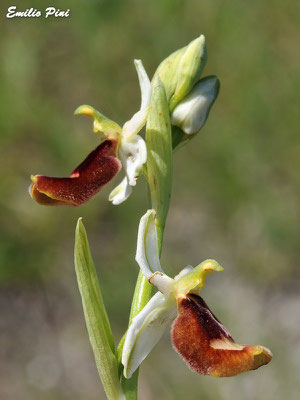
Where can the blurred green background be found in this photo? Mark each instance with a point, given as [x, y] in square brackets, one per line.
[235, 195]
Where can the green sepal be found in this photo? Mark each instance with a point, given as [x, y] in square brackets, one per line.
[159, 154]
[96, 318]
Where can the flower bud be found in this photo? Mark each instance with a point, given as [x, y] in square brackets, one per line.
[167, 71]
[182, 69]
[189, 70]
[192, 112]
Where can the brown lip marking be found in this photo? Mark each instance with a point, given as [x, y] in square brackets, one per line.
[207, 346]
[99, 167]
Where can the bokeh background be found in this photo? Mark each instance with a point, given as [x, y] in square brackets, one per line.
[235, 195]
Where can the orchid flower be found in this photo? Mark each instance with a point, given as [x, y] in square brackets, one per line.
[197, 335]
[102, 164]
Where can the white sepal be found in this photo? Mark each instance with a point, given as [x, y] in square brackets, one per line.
[120, 192]
[145, 331]
[147, 255]
[133, 155]
[191, 113]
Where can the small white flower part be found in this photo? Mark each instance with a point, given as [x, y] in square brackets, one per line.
[132, 148]
[191, 113]
[136, 123]
[162, 282]
[147, 255]
[120, 192]
[133, 154]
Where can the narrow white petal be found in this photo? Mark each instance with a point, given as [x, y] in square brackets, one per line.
[145, 84]
[145, 331]
[120, 192]
[133, 155]
[136, 123]
[147, 255]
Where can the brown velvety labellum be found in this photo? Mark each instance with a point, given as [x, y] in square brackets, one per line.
[99, 167]
[207, 346]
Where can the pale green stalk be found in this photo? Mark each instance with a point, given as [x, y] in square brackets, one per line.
[159, 177]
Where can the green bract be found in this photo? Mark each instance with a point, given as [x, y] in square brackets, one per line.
[159, 149]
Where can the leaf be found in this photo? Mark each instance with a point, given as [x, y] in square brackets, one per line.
[96, 318]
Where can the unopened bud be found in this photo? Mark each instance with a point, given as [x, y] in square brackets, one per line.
[167, 71]
[191, 113]
[189, 70]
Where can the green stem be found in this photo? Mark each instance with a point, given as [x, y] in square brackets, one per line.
[130, 386]
[159, 177]
[142, 294]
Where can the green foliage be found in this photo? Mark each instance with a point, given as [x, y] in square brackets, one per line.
[96, 319]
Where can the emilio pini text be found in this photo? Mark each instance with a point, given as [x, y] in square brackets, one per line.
[53, 12]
